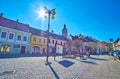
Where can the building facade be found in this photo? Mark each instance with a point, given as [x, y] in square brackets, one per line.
[117, 44]
[38, 43]
[56, 43]
[14, 37]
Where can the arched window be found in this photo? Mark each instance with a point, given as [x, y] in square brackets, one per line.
[35, 49]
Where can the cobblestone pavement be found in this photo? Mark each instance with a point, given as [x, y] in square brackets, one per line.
[105, 68]
[96, 67]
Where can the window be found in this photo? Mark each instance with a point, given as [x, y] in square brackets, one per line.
[3, 35]
[48, 40]
[19, 37]
[34, 39]
[5, 48]
[24, 38]
[61, 43]
[44, 41]
[11, 36]
[56, 42]
[64, 43]
[40, 40]
[53, 41]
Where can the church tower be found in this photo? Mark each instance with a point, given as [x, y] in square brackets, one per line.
[64, 31]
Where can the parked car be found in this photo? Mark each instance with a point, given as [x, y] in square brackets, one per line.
[117, 55]
[114, 52]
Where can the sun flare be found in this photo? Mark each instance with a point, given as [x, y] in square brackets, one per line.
[41, 13]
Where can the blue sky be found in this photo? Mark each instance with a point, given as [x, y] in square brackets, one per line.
[97, 18]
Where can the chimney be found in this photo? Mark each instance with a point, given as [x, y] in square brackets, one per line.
[16, 23]
[1, 15]
[46, 30]
[17, 20]
[52, 31]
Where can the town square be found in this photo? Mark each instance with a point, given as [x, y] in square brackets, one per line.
[50, 39]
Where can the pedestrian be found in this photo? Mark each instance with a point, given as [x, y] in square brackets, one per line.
[88, 54]
[55, 56]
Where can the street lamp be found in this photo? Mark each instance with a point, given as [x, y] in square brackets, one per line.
[49, 12]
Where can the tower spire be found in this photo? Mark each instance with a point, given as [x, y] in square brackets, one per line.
[64, 31]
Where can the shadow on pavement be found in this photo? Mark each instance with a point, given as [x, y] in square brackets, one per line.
[98, 59]
[66, 63]
[90, 62]
[7, 56]
[55, 74]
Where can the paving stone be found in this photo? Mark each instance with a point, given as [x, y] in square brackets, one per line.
[96, 67]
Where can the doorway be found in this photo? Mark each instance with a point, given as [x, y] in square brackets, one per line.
[22, 50]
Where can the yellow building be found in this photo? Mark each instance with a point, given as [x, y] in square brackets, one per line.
[38, 42]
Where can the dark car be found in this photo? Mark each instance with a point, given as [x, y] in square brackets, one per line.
[114, 52]
[117, 55]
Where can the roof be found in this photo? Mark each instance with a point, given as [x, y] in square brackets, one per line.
[89, 39]
[85, 39]
[39, 32]
[117, 44]
[58, 36]
[13, 24]
[74, 37]
[117, 40]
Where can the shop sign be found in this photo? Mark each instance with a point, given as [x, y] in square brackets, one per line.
[16, 46]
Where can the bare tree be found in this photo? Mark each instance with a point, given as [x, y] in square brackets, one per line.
[69, 45]
[111, 45]
[111, 40]
[78, 44]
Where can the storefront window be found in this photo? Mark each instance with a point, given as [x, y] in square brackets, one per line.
[5, 48]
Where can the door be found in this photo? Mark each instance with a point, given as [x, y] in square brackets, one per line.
[22, 50]
[43, 50]
[53, 51]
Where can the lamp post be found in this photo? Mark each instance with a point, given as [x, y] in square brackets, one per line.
[49, 12]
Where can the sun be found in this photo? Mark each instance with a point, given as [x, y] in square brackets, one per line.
[41, 13]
